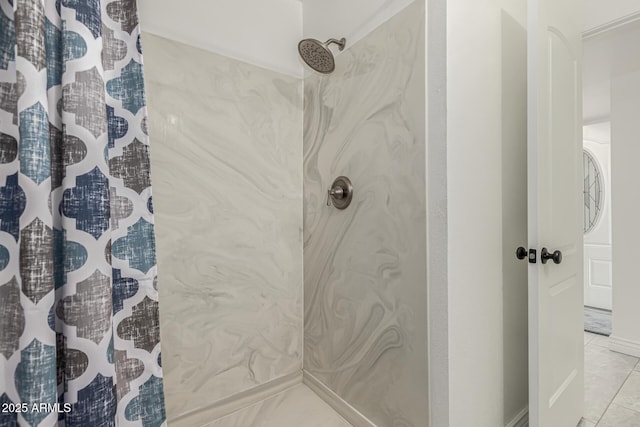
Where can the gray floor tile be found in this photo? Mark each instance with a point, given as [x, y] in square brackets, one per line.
[619, 416]
[600, 340]
[599, 391]
[601, 361]
[604, 374]
[588, 337]
[629, 394]
[585, 423]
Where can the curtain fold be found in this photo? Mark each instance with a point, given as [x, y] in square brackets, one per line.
[79, 327]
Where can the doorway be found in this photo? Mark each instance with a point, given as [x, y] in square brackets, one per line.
[611, 94]
[597, 264]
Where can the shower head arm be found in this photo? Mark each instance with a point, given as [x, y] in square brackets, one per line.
[341, 43]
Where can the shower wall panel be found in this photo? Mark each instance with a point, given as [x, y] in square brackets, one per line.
[365, 276]
[227, 168]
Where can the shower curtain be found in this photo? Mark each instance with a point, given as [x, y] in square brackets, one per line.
[79, 332]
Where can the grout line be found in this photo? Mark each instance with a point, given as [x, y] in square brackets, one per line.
[617, 392]
[625, 381]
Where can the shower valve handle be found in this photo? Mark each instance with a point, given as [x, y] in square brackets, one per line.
[341, 193]
[336, 192]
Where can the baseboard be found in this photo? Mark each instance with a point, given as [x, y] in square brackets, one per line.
[345, 410]
[228, 405]
[520, 420]
[622, 345]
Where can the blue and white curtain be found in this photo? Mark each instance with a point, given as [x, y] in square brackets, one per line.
[79, 330]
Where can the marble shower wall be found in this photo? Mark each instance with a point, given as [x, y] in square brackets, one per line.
[227, 169]
[365, 276]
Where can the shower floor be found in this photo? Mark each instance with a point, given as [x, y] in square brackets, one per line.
[286, 409]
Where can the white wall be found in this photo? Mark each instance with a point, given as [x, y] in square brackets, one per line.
[354, 19]
[475, 227]
[264, 33]
[625, 175]
[606, 55]
[514, 216]
[474, 201]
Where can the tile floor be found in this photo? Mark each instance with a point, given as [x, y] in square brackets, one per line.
[611, 385]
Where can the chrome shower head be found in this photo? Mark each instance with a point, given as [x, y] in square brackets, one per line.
[317, 55]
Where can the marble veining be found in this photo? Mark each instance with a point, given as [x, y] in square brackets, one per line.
[365, 275]
[227, 168]
[296, 407]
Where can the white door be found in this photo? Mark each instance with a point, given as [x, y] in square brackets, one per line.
[556, 358]
[597, 220]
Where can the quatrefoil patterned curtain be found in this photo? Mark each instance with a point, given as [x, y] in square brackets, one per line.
[78, 295]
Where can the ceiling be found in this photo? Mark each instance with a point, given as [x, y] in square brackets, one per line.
[606, 55]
